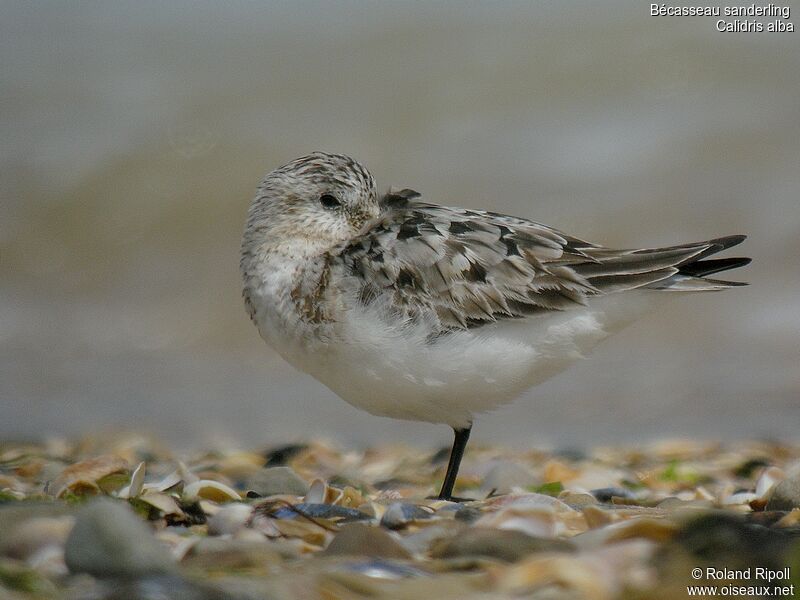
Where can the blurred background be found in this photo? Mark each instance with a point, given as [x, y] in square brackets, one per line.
[133, 136]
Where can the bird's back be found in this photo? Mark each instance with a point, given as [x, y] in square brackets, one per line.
[439, 313]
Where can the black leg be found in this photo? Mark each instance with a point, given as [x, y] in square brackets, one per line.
[459, 444]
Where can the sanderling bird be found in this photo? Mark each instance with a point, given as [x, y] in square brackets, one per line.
[433, 313]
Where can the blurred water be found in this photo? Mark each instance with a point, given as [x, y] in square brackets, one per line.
[134, 134]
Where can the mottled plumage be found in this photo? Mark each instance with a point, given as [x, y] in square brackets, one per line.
[419, 311]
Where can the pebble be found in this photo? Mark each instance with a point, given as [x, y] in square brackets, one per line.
[109, 540]
[507, 545]
[321, 511]
[34, 535]
[228, 553]
[358, 539]
[383, 569]
[607, 494]
[229, 519]
[505, 477]
[577, 499]
[785, 495]
[468, 514]
[276, 480]
[400, 514]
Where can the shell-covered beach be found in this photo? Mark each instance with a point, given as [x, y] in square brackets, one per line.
[120, 516]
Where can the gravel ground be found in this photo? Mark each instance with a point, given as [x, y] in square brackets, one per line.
[121, 517]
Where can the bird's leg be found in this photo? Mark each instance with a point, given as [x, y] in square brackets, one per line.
[459, 444]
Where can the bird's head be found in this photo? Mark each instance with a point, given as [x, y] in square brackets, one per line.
[310, 205]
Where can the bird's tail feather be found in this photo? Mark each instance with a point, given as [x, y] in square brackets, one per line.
[692, 274]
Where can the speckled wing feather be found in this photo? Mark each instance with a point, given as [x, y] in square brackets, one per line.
[471, 267]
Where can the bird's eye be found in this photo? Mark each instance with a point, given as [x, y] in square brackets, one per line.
[329, 201]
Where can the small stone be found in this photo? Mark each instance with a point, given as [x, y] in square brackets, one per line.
[232, 553]
[468, 514]
[161, 587]
[33, 535]
[382, 569]
[280, 455]
[358, 539]
[502, 544]
[277, 480]
[419, 542]
[733, 541]
[577, 499]
[109, 540]
[230, 519]
[785, 495]
[609, 493]
[400, 514]
[340, 514]
[504, 477]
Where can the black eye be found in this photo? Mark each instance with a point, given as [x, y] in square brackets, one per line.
[329, 201]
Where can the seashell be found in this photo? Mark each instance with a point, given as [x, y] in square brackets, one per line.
[208, 507]
[320, 492]
[372, 509]
[17, 495]
[185, 474]
[739, 498]
[134, 488]
[332, 512]
[360, 539]
[49, 561]
[245, 534]
[351, 497]
[608, 494]
[11, 484]
[555, 470]
[769, 478]
[165, 503]
[439, 506]
[506, 546]
[82, 478]
[401, 514]
[229, 519]
[505, 477]
[275, 481]
[468, 514]
[170, 481]
[208, 489]
[576, 500]
[308, 531]
[528, 500]
[791, 519]
[656, 530]
[179, 545]
[241, 465]
[534, 521]
[583, 577]
[597, 516]
[382, 569]
[265, 526]
[420, 542]
[701, 493]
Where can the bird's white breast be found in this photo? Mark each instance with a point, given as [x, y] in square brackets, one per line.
[391, 367]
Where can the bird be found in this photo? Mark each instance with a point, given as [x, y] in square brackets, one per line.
[418, 311]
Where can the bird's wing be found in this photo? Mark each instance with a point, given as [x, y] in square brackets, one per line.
[472, 267]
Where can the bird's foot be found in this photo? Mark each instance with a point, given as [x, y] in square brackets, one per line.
[450, 499]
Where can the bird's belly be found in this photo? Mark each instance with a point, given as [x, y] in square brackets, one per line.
[394, 370]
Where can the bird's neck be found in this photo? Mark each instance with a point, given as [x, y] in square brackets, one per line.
[277, 280]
